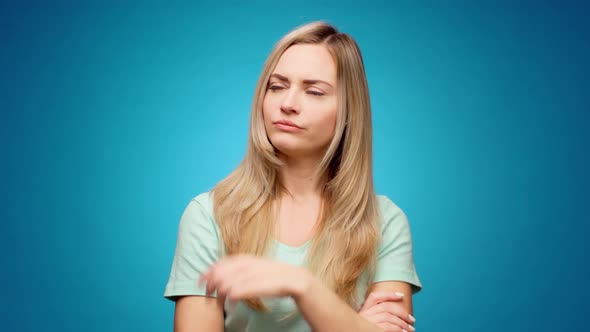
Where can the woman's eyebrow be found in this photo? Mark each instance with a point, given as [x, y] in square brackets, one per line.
[308, 82]
[280, 77]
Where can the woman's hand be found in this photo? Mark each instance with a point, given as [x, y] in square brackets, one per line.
[244, 276]
[380, 308]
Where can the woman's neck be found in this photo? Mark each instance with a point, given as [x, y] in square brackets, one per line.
[300, 179]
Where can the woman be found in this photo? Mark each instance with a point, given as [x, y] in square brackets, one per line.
[295, 238]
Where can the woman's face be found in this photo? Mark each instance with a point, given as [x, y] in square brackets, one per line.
[301, 101]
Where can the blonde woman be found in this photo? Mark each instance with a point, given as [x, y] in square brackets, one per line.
[295, 238]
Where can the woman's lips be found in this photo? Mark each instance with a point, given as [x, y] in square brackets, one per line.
[287, 126]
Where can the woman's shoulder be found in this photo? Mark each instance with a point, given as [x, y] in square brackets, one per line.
[387, 206]
[200, 207]
[204, 199]
[390, 212]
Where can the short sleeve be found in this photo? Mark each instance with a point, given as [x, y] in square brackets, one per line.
[197, 248]
[395, 257]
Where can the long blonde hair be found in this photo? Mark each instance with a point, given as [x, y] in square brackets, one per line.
[344, 246]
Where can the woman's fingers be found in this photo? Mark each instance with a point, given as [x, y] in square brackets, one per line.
[219, 275]
[378, 297]
[392, 309]
[392, 320]
[388, 327]
[211, 283]
[242, 286]
[238, 277]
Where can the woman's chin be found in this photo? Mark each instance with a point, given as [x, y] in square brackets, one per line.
[299, 152]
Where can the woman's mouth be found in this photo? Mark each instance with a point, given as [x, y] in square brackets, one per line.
[286, 125]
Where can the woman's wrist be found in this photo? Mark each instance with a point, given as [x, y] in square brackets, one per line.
[303, 285]
[323, 309]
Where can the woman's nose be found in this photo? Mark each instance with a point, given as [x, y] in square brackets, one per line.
[290, 103]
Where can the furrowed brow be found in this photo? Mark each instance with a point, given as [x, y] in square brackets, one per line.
[309, 82]
[306, 82]
[280, 77]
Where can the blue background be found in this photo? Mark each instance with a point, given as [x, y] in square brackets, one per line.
[115, 114]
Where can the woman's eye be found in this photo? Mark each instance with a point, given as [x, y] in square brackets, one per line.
[315, 93]
[275, 87]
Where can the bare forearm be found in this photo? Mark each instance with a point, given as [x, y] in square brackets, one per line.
[324, 311]
[198, 313]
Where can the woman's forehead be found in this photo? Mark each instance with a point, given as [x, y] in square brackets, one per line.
[307, 62]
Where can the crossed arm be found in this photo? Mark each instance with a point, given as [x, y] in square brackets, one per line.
[321, 307]
[324, 311]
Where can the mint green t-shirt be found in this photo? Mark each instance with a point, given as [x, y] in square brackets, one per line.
[198, 245]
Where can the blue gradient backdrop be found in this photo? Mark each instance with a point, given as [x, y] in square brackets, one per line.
[115, 114]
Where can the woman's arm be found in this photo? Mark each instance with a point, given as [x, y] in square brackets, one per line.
[399, 287]
[198, 313]
[389, 305]
[241, 277]
[325, 311]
